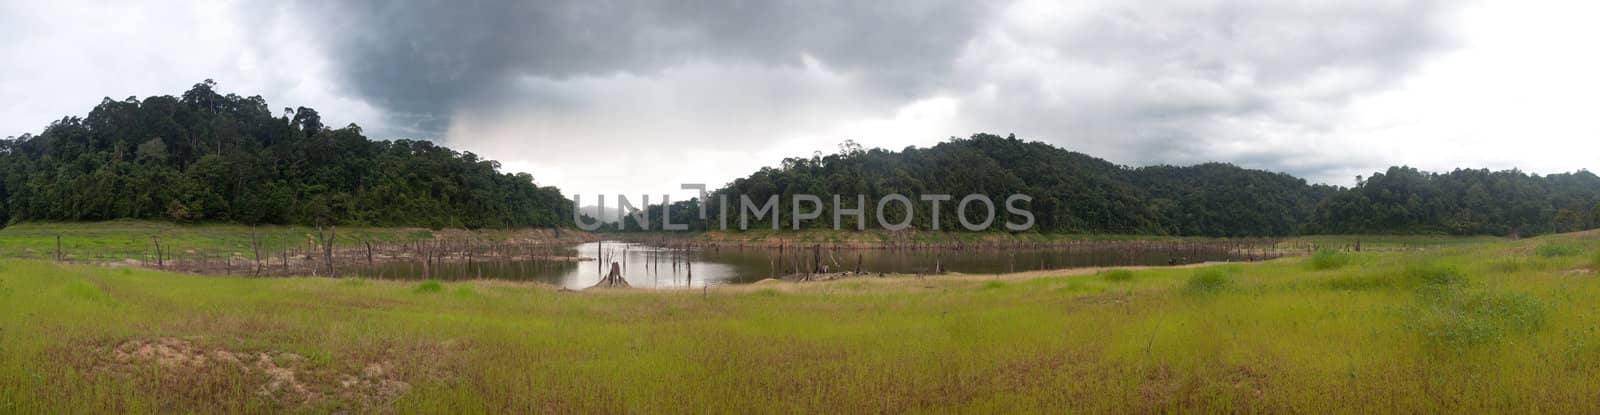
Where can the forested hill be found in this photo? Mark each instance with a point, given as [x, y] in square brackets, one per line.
[1072, 192]
[1464, 202]
[225, 158]
[1077, 193]
[210, 157]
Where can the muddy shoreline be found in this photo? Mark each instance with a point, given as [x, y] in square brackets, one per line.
[533, 249]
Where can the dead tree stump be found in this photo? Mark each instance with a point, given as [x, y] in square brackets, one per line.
[612, 279]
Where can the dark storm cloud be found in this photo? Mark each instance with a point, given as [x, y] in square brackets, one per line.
[422, 60]
[1261, 84]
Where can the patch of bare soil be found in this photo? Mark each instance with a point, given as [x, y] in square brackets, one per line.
[373, 386]
[282, 377]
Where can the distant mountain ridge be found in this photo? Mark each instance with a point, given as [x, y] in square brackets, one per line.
[602, 215]
[225, 158]
[1072, 192]
[1077, 193]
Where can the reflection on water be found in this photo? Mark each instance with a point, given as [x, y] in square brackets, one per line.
[660, 267]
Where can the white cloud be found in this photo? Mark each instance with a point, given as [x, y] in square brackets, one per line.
[64, 56]
[1518, 94]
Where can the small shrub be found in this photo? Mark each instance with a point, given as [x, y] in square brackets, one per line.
[1207, 281]
[993, 285]
[1326, 259]
[1434, 274]
[1455, 318]
[1117, 275]
[1552, 249]
[429, 286]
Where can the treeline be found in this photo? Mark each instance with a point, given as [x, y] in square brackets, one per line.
[1464, 202]
[225, 158]
[1072, 192]
[1077, 193]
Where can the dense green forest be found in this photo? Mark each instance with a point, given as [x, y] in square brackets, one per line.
[225, 158]
[1072, 192]
[1077, 193]
[1463, 202]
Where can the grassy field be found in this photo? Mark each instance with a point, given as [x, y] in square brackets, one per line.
[877, 236]
[1381, 242]
[873, 237]
[1466, 327]
[132, 239]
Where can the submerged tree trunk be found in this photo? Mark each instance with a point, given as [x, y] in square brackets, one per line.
[612, 279]
[816, 260]
[255, 248]
[327, 246]
[159, 262]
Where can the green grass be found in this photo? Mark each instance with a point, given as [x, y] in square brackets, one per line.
[1433, 274]
[1208, 281]
[1456, 319]
[1393, 242]
[1117, 275]
[760, 235]
[1555, 249]
[1452, 328]
[1326, 259]
[429, 286]
[121, 240]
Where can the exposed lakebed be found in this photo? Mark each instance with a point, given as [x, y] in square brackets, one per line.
[657, 266]
[692, 263]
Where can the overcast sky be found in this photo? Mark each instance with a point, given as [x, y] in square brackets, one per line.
[600, 96]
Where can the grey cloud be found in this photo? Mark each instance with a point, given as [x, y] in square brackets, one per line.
[1176, 83]
[1260, 84]
[422, 60]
